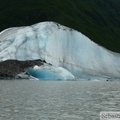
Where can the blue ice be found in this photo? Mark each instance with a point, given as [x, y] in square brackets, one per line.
[44, 74]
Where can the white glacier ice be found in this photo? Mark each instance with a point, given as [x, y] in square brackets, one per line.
[60, 46]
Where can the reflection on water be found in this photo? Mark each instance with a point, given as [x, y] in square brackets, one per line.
[57, 100]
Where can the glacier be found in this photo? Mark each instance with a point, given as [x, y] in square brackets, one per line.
[62, 47]
[49, 72]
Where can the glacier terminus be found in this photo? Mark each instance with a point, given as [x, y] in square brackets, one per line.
[68, 53]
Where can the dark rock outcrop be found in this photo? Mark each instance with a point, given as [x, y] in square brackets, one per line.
[10, 68]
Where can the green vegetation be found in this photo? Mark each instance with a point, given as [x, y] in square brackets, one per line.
[97, 19]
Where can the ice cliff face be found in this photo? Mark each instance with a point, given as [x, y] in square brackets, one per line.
[60, 46]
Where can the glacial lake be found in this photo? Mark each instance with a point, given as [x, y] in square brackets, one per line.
[57, 100]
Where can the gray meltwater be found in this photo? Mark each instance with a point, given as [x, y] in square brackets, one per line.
[57, 100]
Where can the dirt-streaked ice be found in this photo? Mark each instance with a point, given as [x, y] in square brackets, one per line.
[60, 46]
